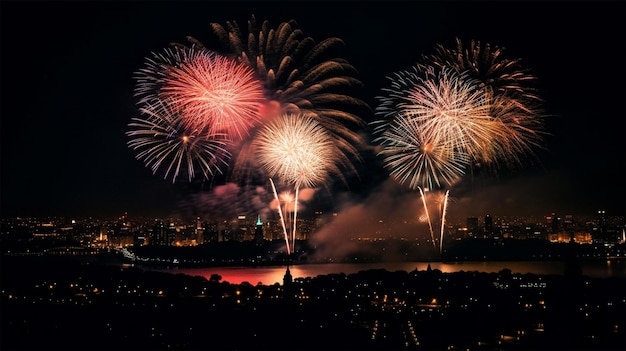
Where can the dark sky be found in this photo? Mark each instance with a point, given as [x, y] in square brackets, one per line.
[67, 96]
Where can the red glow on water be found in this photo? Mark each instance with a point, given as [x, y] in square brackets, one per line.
[274, 274]
[238, 275]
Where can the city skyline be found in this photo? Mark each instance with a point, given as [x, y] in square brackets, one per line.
[67, 95]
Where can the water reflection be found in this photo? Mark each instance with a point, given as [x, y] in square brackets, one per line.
[275, 274]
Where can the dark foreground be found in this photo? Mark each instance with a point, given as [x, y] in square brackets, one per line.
[55, 304]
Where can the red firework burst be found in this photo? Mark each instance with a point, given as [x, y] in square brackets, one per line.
[215, 93]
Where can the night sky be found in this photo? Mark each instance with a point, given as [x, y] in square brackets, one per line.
[67, 97]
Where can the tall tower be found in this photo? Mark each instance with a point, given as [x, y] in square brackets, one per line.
[258, 231]
[199, 231]
[602, 235]
[602, 221]
[287, 278]
[288, 285]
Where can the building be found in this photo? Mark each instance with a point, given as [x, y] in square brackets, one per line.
[199, 231]
[472, 227]
[258, 231]
[552, 223]
[161, 234]
[488, 226]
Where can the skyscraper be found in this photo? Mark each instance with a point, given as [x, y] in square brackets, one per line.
[199, 231]
[258, 231]
[602, 221]
[488, 226]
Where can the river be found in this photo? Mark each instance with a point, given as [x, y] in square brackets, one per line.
[274, 274]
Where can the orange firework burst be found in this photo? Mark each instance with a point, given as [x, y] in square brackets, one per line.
[489, 65]
[435, 122]
[515, 101]
[297, 150]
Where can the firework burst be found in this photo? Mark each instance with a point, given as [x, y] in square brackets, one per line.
[302, 77]
[434, 122]
[414, 160]
[488, 64]
[515, 101]
[297, 150]
[210, 91]
[163, 142]
[151, 77]
[456, 110]
[521, 132]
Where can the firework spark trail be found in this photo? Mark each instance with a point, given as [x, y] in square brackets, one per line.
[295, 213]
[443, 220]
[162, 140]
[430, 225]
[289, 200]
[282, 219]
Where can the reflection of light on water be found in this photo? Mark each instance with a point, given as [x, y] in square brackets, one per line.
[274, 274]
[254, 276]
[605, 268]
